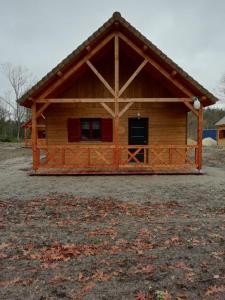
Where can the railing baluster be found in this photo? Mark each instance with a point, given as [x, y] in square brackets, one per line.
[170, 156]
[145, 156]
[63, 156]
[89, 157]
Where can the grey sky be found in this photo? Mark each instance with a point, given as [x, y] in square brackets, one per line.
[38, 34]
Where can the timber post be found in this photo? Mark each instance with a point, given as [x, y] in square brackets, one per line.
[34, 137]
[200, 127]
[25, 136]
[116, 119]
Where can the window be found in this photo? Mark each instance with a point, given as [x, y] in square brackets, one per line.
[41, 134]
[90, 129]
[222, 134]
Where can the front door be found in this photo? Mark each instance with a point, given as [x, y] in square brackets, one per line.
[137, 135]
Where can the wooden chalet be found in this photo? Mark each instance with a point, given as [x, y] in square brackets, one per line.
[220, 125]
[116, 104]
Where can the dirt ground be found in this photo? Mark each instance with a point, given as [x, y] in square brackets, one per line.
[111, 237]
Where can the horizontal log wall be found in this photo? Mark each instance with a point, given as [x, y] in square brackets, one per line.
[167, 124]
[167, 121]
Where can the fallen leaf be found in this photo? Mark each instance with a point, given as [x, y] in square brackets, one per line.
[140, 296]
[215, 290]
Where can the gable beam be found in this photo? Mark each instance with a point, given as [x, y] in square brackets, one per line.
[40, 111]
[108, 109]
[117, 87]
[166, 74]
[138, 70]
[116, 58]
[154, 100]
[190, 106]
[126, 107]
[74, 100]
[71, 71]
[110, 100]
[100, 77]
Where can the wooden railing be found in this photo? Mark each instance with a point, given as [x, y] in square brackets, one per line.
[108, 157]
[77, 157]
[40, 142]
[158, 156]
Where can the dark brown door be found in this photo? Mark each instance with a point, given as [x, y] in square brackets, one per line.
[138, 135]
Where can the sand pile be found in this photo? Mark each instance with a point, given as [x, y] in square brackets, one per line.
[208, 142]
[191, 142]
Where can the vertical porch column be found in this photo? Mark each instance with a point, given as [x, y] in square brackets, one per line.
[200, 128]
[25, 136]
[116, 119]
[34, 137]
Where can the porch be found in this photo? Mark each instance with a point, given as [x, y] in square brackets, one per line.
[126, 159]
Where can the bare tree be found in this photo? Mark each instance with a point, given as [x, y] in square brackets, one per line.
[4, 112]
[20, 80]
[221, 89]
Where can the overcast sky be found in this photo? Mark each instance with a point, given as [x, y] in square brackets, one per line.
[38, 34]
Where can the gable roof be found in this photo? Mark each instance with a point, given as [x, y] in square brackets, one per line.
[221, 122]
[46, 81]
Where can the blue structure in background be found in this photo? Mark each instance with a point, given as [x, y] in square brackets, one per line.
[212, 133]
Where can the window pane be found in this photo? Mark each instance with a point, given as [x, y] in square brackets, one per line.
[85, 129]
[85, 124]
[96, 132]
[95, 124]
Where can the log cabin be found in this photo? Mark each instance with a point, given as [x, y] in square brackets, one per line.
[116, 105]
[220, 125]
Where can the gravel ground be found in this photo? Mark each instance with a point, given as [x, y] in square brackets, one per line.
[14, 182]
[111, 237]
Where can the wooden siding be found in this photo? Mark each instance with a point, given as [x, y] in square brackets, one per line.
[167, 121]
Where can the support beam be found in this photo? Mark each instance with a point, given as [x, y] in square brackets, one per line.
[157, 66]
[126, 107]
[108, 109]
[74, 100]
[116, 119]
[110, 100]
[25, 136]
[190, 106]
[138, 70]
[200, 128]
[173, 73]
[100, 77]
[40, 111]
[116, 75]
[81, 62]
[59, 73]
[154, 100]
[34, 137]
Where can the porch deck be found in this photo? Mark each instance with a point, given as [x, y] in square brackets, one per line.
[74, 172]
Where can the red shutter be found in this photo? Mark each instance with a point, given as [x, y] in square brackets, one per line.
[73, 127]
[107, 130]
